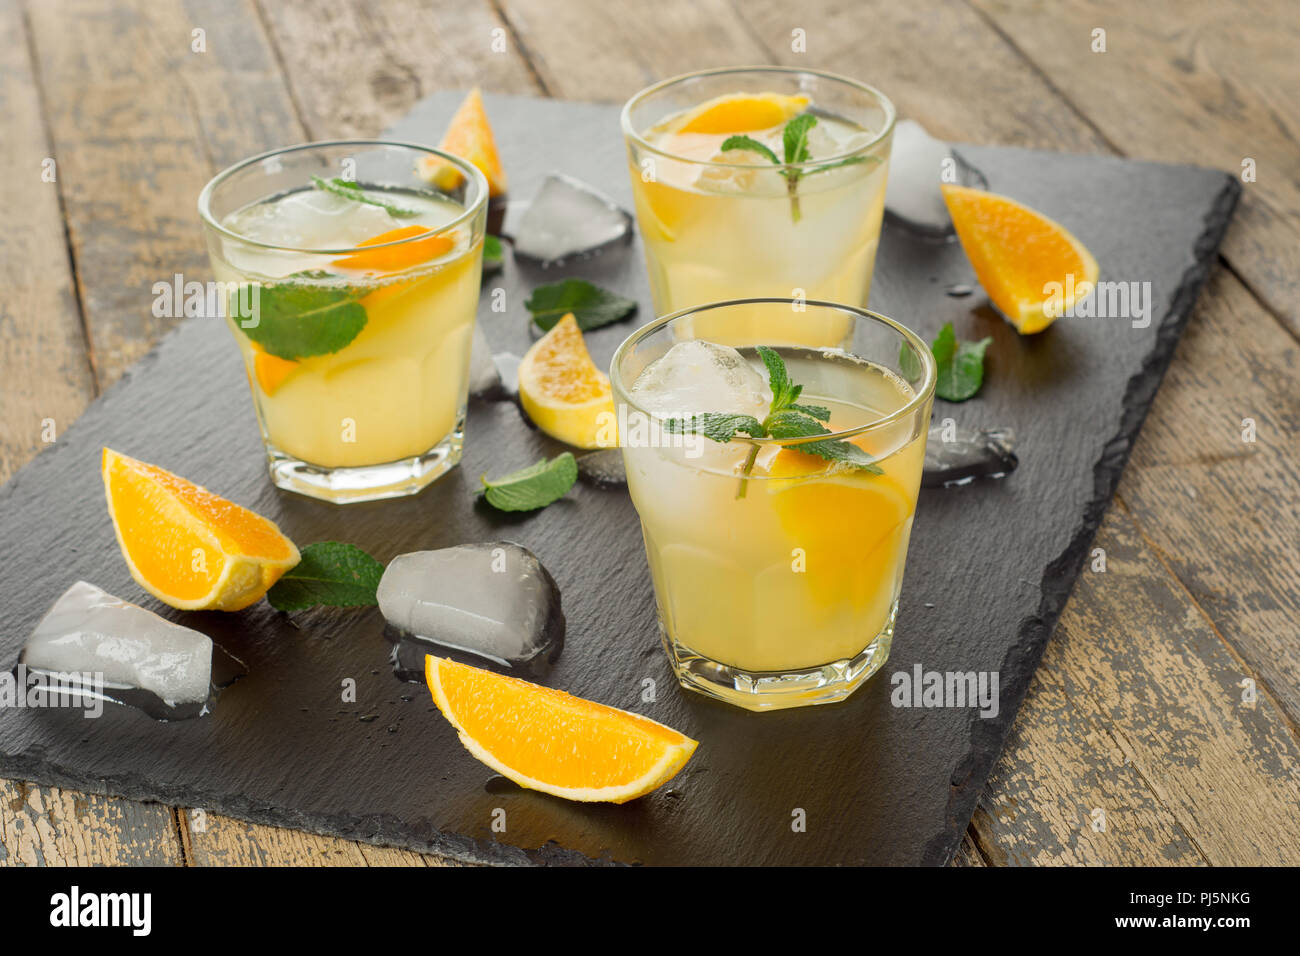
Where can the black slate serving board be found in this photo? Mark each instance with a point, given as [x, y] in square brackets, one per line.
[989, 570]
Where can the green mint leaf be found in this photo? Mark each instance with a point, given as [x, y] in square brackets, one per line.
[751, 144]
[591, 305]
[792, 424]
[533, 487]
[795, 138]
[330, 573]
[717, 426]
[961, 365]
[493, 255]
[908, 363]
[784, 392]
[819, 412]
[844, 452]
[297, 319]
[350, 190]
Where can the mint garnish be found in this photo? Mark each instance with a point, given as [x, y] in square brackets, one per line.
[298, 319]
[330, 573]
[591, 305]
[350, 190]
[533, 487]
[794, 143]
[786, 418]
[961, 365]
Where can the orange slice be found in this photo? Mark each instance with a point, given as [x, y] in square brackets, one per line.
[743, 113]
[271, 371]
[548, 740]
[396, 258]
[1032, 268]
[186, 546]
[470, 137]
[563, 392]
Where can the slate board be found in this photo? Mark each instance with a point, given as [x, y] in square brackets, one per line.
[989, 570]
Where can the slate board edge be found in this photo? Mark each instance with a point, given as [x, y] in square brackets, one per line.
[1021, 661]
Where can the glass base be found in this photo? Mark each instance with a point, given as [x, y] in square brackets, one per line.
[394, 479]
[775, 690]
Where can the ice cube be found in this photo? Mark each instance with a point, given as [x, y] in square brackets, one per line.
[604, 467]
[483, 374]
[569, 218]
[493, 600]
[696, 376]
[918, 164]
[133, 650]
[957, 456]
[733, 171]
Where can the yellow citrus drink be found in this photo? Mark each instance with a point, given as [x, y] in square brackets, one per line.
[730, 206]
[357, 350]
[776, 571]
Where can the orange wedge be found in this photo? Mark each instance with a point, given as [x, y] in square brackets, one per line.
[743, 113]
[271, 371]
[563, 392]
[548, 740]
[1032, 268]
[470, 137]
[396, 258]
[186, 546]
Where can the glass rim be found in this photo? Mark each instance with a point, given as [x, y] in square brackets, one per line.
[923, 393]
[629, 133]
[469, 169]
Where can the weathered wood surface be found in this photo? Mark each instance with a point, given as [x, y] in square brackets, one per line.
[1136, 710]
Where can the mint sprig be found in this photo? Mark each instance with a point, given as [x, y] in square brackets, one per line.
[297, 320]
[330, 573]
[785, 419]
[960, 365]
[350, 190]
[533, 487]
[591, 305]
[794, 144]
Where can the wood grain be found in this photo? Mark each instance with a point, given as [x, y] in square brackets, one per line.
[1211, 83]
[222, 841]
[46, 372]
[356, 67]
[1136, 713]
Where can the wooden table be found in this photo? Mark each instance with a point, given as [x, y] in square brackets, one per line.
[1163, 725]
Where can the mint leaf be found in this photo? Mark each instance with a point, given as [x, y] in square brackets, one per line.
[298, 319]
[591, 305]
[717, 426]
[533, 487]
[795, 138]
[908, 363]
[751, 144]
[792, 424]
[961, 365]
[350, 190]
[819, 412]
[842, 451]
[330, 573]
[493, 255]
[784, 392]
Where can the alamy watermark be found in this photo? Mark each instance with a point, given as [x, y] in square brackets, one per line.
[24, 688]
[179, 299]
[1099, 300]
[921, 688]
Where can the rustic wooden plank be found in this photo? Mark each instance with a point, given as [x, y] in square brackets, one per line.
[1136, 711]
[357, 67]
[47, 826]
[939, 63]
[221, 841]
[1202, 81]
[594, 51]
[47, 375]
[138, 133]
[968, 853]
[1221, 509]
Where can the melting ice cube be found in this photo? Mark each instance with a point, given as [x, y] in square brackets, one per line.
[142, 659]
[483, 375]
[604, 467]
[967, 454]
[918, 164]
[697, 376]
[569, 218]
[493, 600]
